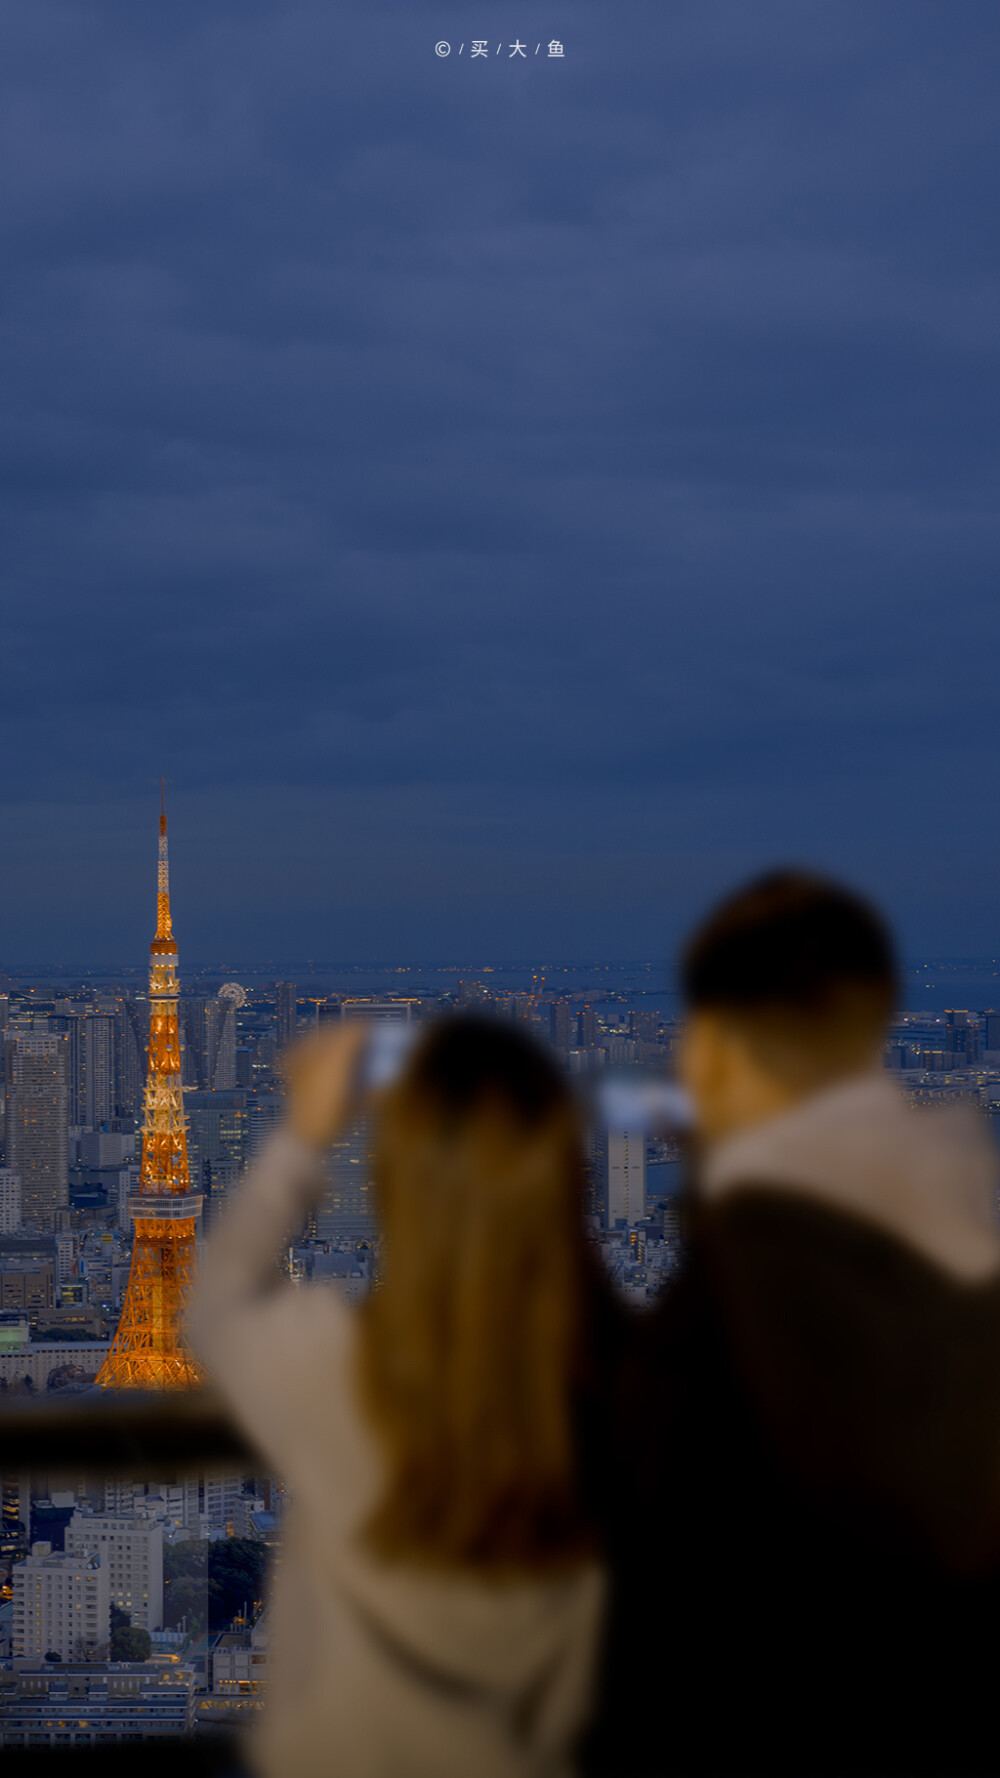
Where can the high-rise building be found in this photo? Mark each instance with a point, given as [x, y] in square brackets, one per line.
[208, 1031]
[286, 1006]
[220, 1027]
[622, 1163]
[147, 1352]
[264, 1113]
[37, 1131]
[563, 1025]
[963, 1034]
[67, 1257]
[217, 1138]
[588, 1028]
[10, 1201]
[347, 1208]
[91, 1067]
[62, 1605]
[991, 1031]
[131, 1044]
[644, 1025]
[130, 1547]
[191, 1024]
[265, 1059]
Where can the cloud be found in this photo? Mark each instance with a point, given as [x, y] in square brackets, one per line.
[527, 440]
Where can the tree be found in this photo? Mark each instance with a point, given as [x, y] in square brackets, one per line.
[64, 1374]
[185, 1598]
[185, 1585]
[236, 1567]
[188, 1559]
[53, 1655]
[211, 1580]
[130, 1645]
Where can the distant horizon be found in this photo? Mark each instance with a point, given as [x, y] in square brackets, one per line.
[662, 972]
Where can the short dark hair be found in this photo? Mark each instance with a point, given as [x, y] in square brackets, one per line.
[793, 944]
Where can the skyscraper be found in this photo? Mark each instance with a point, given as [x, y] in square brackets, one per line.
[191, 1024]
[37, 1132]
[147, 1352]
[91, 1062]
[217, 1138]
[208, 1026]
[220, 1043]
[563, 1025]
[286, 1001]
[347, 1208]
[622, 1159]
[131, 1044]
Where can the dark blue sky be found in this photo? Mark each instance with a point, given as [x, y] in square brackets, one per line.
[509, 500]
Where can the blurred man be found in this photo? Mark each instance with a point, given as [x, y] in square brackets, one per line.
[804, 1500]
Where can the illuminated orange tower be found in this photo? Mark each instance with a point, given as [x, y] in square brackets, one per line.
[147, 1351]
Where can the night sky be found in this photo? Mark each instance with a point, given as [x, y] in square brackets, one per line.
[509, 499]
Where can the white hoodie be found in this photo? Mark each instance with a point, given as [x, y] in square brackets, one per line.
[378, 1671]
[926, 1176]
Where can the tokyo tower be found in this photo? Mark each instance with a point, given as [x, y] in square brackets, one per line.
[147, 1351]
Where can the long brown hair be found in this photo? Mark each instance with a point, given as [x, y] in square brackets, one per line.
[472, 1344]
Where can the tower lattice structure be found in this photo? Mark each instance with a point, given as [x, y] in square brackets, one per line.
[147, 1352]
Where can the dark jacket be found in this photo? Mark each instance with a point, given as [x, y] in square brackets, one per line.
[802, 1496]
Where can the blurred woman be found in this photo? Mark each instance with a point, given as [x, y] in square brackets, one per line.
[436, 1600]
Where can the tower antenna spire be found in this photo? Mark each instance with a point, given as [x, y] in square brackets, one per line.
[147, 1352]
[164, 930]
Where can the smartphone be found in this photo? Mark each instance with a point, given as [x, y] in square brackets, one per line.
[389, 1043]
[641, 1102]
[614, 1102]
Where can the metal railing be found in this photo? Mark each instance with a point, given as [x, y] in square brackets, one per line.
[120, 1430]
[139, 1434]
